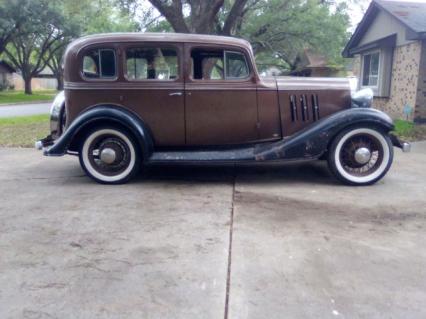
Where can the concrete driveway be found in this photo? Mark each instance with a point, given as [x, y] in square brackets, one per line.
[185, 242]
[26, 109]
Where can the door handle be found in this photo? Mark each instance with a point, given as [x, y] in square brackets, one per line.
[176, 94]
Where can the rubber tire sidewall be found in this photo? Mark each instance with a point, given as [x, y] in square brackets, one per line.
[333, 166]
[131, 144]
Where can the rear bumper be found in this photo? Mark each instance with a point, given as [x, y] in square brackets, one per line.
[397, 142]
[44, 143]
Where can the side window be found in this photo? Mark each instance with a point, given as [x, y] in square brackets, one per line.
[207, 64]
[236, 65]
[211, 64]
[151, 64]
[99, 63]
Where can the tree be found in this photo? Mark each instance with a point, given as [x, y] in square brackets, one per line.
[10, 18]
[53, 59]
[85, 17]
[204, 17]
[37, 38]
[279, 30]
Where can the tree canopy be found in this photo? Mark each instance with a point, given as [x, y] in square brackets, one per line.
[34, 33]
[279, 30]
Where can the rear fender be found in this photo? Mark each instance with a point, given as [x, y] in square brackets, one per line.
[104, 114]
[313, 141]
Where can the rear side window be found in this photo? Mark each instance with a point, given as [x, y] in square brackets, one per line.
[99, 64]
[151, 64]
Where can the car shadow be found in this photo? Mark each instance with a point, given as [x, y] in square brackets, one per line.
[309, 173]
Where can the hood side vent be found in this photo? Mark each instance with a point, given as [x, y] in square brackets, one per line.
[315, 107]
[304, 108]
[309, 106]
[293, 108]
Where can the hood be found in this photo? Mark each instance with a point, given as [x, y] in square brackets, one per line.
[307, 83]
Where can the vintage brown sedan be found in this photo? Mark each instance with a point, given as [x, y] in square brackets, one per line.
[138, 99]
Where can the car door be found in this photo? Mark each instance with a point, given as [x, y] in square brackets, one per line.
[220, 97]
[154, 89]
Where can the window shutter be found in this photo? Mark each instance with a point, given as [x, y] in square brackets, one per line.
[386, 72]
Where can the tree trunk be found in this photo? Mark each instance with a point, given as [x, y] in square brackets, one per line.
[60, 82]
[28, 89]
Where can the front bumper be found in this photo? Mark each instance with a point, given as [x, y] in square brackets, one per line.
[397, 142]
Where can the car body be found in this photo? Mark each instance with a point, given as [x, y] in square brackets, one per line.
[146, 98]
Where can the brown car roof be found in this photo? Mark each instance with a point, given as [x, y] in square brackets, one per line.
[157, 37]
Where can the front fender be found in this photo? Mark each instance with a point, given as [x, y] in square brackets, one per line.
[99, 114]
[313, 141]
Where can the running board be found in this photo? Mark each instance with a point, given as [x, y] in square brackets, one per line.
[231, 155]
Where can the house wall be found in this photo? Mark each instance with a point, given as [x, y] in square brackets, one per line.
[405, 77]
[420, 111]
[385, 25]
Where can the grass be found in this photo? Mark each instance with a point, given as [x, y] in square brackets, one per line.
[12, 96]
[410, 131]
[23, 131]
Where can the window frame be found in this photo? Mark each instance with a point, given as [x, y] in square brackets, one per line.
[379, 71]
[233, 50]
[151, 46]
[100, 78]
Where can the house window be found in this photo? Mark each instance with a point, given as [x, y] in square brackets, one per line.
[371, 66]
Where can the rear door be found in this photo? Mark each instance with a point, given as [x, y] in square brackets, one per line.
[154, 89]
[220, 97]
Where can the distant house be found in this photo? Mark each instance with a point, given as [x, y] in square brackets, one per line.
[45, 80]
[313, 64]
[389, 47]
[6, 73]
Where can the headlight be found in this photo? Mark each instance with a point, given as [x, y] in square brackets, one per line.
[57, 111]
[363, 98]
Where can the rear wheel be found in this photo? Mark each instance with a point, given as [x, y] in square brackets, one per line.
[360, 156]
[109, 155]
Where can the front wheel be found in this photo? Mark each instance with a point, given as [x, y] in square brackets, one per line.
[109, 155]
[360, 156]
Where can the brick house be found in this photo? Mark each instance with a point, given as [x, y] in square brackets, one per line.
[389, 48]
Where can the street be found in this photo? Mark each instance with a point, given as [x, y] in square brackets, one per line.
[24, 109]
[211, 242]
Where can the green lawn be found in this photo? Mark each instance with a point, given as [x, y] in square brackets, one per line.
[23, 131]
[12, 96]
[409, 131]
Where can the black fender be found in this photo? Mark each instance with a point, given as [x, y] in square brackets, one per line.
[104, 113]
[313, 141]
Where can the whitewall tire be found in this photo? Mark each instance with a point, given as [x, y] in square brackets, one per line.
[109, 155]
[360, 155]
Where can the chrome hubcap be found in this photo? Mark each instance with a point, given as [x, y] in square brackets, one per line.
[108, 156]
[362, 155]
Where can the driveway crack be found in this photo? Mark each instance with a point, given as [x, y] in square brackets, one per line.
[231, 226]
